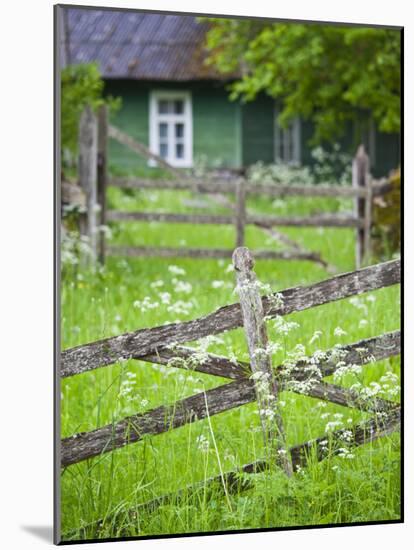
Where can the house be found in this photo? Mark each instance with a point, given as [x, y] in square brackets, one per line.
[177, 105]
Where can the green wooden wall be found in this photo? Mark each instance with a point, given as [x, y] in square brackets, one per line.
[216, 126]
[228, 134]
[132, 118]
[258, 130]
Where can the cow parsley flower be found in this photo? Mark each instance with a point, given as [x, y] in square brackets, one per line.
[339, 332]
[217, 284]
[175, 270]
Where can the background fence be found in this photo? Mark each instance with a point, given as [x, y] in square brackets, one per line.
[94, 133]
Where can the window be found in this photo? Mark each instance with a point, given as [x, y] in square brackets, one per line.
[171, 127]
[287, 141]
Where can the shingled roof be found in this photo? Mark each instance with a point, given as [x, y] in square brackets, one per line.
[137, 46]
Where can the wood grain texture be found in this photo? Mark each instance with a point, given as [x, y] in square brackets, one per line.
[203, 253]
[325, 220]
[360, 175]
[87, 169]
[160, 420]
[240, 213]
[129, 430]
[141, 342]
[139, 148]
[228, 186]
[363, 352]
[190, 359]
[267, 386]
[102, 175]
[321, 220]
[165, 217]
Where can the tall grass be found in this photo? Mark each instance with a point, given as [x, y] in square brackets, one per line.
[129, 294]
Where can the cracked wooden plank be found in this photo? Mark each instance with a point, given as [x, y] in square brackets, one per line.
[226, 186]
[141, 342]
[359, 353]
[160, 420]
[164, 418]
[193, 360]
[202, 253]
[266, 384]
[348, 398]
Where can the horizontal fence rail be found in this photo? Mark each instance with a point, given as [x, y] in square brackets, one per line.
[267, 189]
[322, 220]
[207, 253]
[223, 398]
[141, 342]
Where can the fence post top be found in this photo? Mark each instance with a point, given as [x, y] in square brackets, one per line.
[361, 152]
[243, 259]
[87, 112]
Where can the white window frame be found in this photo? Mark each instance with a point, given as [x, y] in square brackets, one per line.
[282, 134]
[186, 117]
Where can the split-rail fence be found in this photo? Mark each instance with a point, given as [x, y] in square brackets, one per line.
[162, 345]
[94, 134]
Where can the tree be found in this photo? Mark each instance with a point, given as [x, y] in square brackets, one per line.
[81, 85]
[327, 74]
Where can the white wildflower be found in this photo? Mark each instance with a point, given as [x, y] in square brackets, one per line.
[157, 284]
[175, 270]
[203, 444]
[217, 284]
[339, 331]
[182, 286]
[165, 297]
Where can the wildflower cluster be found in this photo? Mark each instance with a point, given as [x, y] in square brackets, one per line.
[74, 247]
[203, 444]
[131, 400]
[165, 298]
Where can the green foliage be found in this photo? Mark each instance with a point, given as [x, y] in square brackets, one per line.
[327, 74]
[80, 85]
[332, 167]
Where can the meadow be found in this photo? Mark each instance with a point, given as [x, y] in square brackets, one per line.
[359, 485]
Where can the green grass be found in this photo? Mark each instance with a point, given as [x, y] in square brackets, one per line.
[97, 305]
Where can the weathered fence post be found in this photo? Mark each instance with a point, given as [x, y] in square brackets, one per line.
[368, 218]
[362, 206]
[266, 385]
[102, 175]
[88, 172]
[240, 212]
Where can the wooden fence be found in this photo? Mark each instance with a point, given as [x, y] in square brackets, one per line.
[162, 345]
[93, 150]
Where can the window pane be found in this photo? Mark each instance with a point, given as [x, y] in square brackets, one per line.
[163, 130]
[163, 106]
[179, 130]
[164, 150]
[178, 106]
[179, 150]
